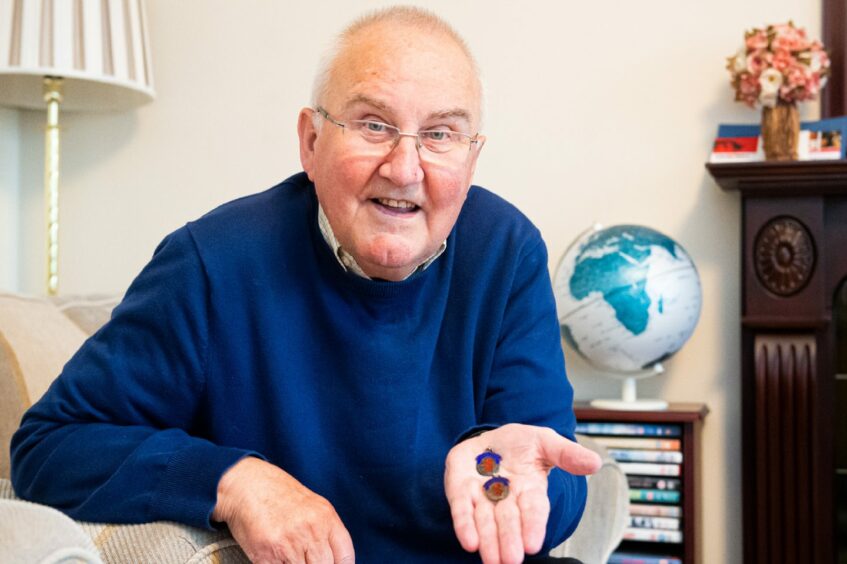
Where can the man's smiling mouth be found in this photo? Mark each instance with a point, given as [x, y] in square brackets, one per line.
[395, 206]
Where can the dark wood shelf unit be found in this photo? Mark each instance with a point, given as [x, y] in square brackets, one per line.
[774, 179]
[690, 417]
[794, 258]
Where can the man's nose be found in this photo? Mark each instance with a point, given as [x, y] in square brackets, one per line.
[403, 164]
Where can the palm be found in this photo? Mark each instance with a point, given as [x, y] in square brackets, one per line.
[506, 530]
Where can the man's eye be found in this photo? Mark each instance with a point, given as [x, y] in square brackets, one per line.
[436, 135]
[376, 127]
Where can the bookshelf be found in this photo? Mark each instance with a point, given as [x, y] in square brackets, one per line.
[679, 426]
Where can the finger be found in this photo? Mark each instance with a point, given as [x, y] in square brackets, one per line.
[321, 553]
[287, 557]
[534, 508]
[508, 520]
[568, 455]
[341, 545]
[462, 510]
[486, 527]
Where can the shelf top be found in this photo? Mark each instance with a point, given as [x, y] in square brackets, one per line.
[675, 413]
[785, 178]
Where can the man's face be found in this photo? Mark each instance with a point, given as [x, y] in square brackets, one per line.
[392, 211]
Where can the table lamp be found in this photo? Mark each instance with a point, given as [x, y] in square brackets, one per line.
[80, 54]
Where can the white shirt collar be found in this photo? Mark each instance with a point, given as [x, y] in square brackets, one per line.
[347, 261]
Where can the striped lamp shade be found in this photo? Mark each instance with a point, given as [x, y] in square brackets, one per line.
[99, 48]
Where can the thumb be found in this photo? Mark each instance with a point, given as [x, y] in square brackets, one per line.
[568, 455]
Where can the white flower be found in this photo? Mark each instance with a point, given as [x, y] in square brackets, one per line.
[770, 80]
[739, 62]
[815, 64]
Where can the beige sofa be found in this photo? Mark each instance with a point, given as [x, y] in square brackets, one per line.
[37, 336]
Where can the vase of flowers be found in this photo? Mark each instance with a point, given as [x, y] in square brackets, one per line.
[777, 67]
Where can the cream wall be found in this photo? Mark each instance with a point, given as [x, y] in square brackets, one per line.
[596, 111]
[9, 197]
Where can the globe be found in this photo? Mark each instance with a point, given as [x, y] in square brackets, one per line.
[628, 297]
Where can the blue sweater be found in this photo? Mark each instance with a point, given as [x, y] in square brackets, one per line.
[243, 336]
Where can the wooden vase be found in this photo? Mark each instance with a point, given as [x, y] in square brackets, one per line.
[781, 131]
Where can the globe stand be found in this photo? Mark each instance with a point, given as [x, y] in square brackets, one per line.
[629, 401]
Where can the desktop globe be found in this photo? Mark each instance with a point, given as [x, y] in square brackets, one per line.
[628, 297]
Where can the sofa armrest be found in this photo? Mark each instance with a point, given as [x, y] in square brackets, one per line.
[159, 542]
[606, 511]
[36, 533]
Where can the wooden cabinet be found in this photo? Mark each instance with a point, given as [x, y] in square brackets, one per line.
[688, 418]
[794, 264]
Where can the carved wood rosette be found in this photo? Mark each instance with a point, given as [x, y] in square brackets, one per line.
[784, 256]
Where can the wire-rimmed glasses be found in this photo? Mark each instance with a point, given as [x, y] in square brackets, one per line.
[441, 144]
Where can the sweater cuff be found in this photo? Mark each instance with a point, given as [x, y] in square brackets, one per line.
[474, 431]
[188, 491]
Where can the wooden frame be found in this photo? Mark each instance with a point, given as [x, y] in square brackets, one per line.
[834, 20]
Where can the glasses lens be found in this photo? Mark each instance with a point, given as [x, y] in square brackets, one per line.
[374, 131]
[438, 146]
[443, 141]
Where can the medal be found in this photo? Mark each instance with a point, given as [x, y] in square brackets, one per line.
[496, 488]
[488, 463]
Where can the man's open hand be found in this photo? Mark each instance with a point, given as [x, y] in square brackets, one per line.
[504, 531]
[275, 518]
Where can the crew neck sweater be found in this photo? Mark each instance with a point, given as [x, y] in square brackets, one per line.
[243, 336]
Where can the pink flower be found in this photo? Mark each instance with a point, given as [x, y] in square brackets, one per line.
[787, 93]
[783, 60]
[813, 87]
[756, 39]
[748, 89]
[797, 76]
[789, 38]
[759, 60]
[778, 63]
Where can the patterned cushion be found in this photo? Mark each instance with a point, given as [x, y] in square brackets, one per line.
[149, 543]
[606, 511]
[89, 313]
[34, 533]
[36, 340]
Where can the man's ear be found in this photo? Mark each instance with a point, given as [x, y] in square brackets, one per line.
[308, 136]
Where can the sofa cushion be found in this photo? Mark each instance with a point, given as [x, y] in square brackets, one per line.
[35, 533]
[13, 400]
[89, 313]
[606, 511]
[36, 340]
[149, 543]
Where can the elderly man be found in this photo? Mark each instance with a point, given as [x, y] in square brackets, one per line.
[364, 359]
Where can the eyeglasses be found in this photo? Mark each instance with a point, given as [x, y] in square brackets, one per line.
[440, 144]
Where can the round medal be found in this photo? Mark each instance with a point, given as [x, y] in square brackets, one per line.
[496, 488]
[488, 463]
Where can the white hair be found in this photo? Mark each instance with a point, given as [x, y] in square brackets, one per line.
[400, 15]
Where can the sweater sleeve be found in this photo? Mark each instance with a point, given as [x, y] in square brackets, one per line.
[112, 440]
[528, 383]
